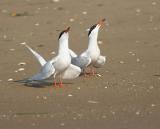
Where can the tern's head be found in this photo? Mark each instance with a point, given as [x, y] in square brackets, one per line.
[95, 28]
[64, 34]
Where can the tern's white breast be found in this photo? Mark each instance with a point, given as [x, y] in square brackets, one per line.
[62, 63]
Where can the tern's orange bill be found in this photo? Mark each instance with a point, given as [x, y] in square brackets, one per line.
[67, 30]
[101, 22]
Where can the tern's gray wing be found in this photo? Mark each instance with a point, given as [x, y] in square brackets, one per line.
[40, 59]
[46, 71]
[100, 61]
[81, 61]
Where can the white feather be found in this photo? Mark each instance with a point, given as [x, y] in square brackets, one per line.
[40, 59]
[71, 72]
[100, 61]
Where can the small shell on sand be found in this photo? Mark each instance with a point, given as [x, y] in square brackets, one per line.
[137, 112]
[53, 53]
[44, 97]
[22, 63]
[10, 79]
[37, 24]
[12, 49]
[84, 12]
[87, 29]
[99, 75]
[71, 20]
[153, 105]
[121, 62]
[70, 95]
[21, 69]
[55, 1]
[138, 10]
[91, 101]
[154, 3]
[138, 60]
[78, 88]
[23, 43]
[100, 42]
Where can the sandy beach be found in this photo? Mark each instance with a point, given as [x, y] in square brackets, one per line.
[124, 95]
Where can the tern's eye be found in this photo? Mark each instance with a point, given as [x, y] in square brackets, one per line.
[92, 27]
[61, 34]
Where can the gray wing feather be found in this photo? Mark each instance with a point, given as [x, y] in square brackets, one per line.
[40, 59]
[81, 61]
[46, 71]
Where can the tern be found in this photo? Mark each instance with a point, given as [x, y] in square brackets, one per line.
[58, 66]
[92, 55]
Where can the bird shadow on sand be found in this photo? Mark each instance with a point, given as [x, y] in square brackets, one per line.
[39, 84]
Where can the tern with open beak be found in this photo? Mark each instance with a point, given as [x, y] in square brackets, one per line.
[58, 66]
[92, 55]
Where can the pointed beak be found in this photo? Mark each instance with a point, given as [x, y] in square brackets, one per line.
[67, 30]
[101, 22]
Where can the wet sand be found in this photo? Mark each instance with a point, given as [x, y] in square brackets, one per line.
[126, 95]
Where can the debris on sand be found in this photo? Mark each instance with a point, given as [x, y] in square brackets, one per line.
[12, 49]
[138, 60]
[36, 24]
[99, 75]
[55, 1]
[61, 124]
[84, 12]
[154, 3]
[37, 97]
[100, 42]
[53, 53]
[44, 97]
[93, 102]
[22, 63]
[70, 95]
[23, 43]
[153, 105]
[78, 88]
[16, 14]
[71, 19]
[138, 10]
[121, 62]
[10, 79]
[137, 112]
[21, 69]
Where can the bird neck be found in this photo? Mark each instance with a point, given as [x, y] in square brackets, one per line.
[63, 46]
[93, 41]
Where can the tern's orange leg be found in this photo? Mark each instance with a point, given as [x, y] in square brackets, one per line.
[54, 83]
[92, 71]
[60, 82]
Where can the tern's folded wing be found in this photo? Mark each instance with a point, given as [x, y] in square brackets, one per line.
[40, 59]
[81, 61]
[46, 71]
[71, 72]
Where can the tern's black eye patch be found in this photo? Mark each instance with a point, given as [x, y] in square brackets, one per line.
[61, 34]
[92, 27]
